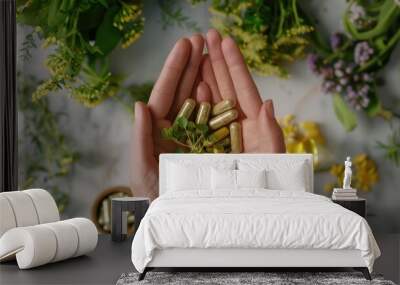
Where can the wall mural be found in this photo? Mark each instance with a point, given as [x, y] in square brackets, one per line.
[271, 34]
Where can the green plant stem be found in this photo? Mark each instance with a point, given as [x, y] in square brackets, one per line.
[295, 13]
[282, 16]
[337, 53]
[390, 13]
[180, 143]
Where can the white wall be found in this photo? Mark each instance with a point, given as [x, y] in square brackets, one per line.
[102, 134]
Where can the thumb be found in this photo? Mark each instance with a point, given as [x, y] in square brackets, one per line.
[143, 164]
[142, 139]
[272, 139]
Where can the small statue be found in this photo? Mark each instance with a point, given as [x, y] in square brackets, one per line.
[347, 173]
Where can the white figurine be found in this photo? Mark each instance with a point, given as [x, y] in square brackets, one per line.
[347, 173]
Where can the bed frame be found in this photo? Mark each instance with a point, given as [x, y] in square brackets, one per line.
[246, 259]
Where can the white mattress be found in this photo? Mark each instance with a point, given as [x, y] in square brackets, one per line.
[252, 219]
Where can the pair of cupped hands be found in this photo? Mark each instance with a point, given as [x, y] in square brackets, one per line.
[187, 72]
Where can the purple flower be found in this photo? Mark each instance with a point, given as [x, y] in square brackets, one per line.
[328, 86]
[352, 94]
[326, 72]
[313, 61]
[336, 40]
[349, 69]
[343, 81]
[367, 77]
[364, 90]
[339, 73]
[365, 102]
[362, 52]
[339, 64]
[356, 13]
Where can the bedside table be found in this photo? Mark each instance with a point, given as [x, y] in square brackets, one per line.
[119, 209]
[358, 206]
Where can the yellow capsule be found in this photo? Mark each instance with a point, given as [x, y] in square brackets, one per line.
[235, 130]
[187, 108]
[217, 136]
[218, 149]
[203, 113]
[223, 119]
[209, 149]
[225, 142]
[223, 106]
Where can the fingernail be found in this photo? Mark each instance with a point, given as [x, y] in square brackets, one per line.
[138, 109]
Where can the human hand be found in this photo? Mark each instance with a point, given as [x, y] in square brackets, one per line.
[174, 85]
[228, 77]
[224, 75]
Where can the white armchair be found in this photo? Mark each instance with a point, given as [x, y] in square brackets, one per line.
[31, 230]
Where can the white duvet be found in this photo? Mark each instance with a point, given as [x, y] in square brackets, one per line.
[250, 219]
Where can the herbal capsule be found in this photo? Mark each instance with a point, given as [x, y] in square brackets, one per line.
[225, 142]
[223, 106]
[223, 119]
[218, 149]
[236, 137]
[203, 113]
[217, 136]
[209, 149]
[187, 108]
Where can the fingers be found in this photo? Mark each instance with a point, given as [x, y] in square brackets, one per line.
[189, 74]
[269, 109]
[246, 90]
[203, 93]
[208, 77]
[224, 80]
[163, 93]
[271, 134]
[143, 165]
[142, 134]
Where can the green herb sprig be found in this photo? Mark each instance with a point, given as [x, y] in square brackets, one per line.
[188, 135]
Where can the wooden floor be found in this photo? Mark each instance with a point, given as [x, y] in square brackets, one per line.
[110, 260]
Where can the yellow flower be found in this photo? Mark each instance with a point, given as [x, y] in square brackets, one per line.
[302, 137]
[366, 173]
[337, 170]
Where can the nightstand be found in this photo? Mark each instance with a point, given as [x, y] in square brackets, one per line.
[358, 206]
[119, 209]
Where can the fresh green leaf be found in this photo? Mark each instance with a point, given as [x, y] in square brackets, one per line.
[374, 107]
[104, 3]
[107, 36]
[55, 17]
[191, 126]
[182, 122]
[34, 15]
[91, 18]
[345, 116]
[203, 128]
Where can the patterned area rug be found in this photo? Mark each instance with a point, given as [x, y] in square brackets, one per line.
[231, 278]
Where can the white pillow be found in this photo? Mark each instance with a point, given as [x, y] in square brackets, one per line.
[251, 178]
[188, 175]
[227, 179]
[223, 179]
[181, 177]
[281, 174]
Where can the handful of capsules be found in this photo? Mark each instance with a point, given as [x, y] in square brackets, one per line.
[223, 133]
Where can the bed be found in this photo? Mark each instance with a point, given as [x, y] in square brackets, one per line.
[246, 211]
